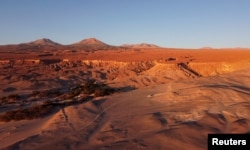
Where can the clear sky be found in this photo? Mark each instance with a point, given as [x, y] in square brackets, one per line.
[168, 23]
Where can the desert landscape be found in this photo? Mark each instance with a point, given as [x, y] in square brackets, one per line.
[92, 95]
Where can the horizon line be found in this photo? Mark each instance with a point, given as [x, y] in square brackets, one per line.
[130, 44]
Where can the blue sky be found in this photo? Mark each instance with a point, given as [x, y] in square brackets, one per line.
[168, 23]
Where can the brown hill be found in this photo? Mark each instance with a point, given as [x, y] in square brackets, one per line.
[37, 45]
[47, 44]
[40, 44]
[90, 44]
[91, 41]
[44, 41]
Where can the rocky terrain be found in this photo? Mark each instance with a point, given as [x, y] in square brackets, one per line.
[129, 98]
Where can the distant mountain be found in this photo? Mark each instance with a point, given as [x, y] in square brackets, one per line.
[47, 44]
[91, 41]
[90, 44]
[86, 44]
[40, 44]
[37, 45]
[142, 45]
[43, 41]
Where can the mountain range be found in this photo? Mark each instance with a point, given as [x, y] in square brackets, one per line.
[86, 44]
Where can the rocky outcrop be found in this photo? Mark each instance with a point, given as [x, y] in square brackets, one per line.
[135, 73]
[216, 68]
[188, 71]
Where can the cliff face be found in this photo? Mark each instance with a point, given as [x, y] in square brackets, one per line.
[155, 68]
[61, 72]
[147, 73]
[211, 69]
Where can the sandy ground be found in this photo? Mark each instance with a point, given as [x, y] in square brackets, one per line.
[172, 107]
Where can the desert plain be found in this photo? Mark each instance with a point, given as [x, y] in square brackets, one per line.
[90, 95]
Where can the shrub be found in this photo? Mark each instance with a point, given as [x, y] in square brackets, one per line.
[3, 100]
[13, 96]
[89, 87]
[103, 91]
[10, 99]
[35, 93]
[46, 93]
[100, 92]
[28, 113]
